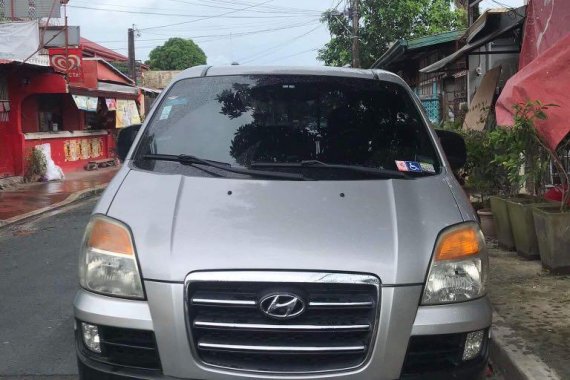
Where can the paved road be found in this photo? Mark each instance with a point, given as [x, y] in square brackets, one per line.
[38, 280]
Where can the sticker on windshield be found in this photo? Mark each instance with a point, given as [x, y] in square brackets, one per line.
[409, 166]
[165, 112]
[428, 168]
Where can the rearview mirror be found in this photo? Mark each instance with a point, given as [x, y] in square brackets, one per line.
[125, 140]
[454, 147]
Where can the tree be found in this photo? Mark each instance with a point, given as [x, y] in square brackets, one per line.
[384, 22]
[176, 54]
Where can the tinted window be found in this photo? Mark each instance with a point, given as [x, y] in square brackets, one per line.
[242, 120]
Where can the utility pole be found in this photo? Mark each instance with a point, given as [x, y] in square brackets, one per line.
[355, 37]
[132, 63]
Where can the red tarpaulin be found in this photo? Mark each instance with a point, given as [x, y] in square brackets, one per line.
[544, 69]
[547, 79]
[547, 21]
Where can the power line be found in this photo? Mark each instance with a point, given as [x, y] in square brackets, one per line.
[270, 51]
[200, 17]
[297, 54]
[210, 17]
[293, 11]
[269, 9]
[238, 34]
[236, 2]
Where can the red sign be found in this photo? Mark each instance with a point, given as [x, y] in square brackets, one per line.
[68, 61]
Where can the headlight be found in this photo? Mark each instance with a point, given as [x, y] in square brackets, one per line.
[107, 262]
[459, 267]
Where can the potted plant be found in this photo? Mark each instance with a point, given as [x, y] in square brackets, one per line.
[499, 152]
[480, 177]
[552, 223]
[525, 162]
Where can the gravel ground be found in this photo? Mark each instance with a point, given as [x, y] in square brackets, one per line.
[535, 303]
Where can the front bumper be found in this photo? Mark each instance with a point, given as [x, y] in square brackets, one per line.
[164, 314]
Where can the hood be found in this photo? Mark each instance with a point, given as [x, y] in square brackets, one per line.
[183, 224]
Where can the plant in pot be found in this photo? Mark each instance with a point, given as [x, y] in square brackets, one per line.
[552, 224]
[499, 144]
[481, 177]
[525, 162]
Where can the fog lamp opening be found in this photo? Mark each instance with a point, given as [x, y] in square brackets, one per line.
[473, 344]
[91, 337]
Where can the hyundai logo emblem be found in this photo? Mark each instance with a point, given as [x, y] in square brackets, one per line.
[282, 305]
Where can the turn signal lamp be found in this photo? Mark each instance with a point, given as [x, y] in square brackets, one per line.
[108, 262]
[458, 243]
[459, 268]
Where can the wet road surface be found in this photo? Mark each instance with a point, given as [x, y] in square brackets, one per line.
[34, 196]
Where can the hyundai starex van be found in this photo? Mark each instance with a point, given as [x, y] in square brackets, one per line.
[284, 223]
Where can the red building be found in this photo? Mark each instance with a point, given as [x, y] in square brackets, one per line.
[77, 113]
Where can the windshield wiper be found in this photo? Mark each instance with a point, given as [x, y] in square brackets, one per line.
[375, 172]
[193, 160]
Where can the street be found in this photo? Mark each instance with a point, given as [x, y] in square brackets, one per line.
[38, 278]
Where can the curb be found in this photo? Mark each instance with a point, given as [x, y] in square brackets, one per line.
[513, 356]
[77, 196]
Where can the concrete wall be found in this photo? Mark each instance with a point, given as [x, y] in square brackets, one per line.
[158, 79]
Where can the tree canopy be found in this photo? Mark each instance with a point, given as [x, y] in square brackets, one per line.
[176, 54]
[384, 22]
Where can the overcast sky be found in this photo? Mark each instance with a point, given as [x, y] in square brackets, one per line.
[256, 32]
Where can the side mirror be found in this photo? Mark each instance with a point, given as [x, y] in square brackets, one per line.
[454, 148]
[125, 140]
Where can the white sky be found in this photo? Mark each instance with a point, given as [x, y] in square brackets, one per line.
[269, 32]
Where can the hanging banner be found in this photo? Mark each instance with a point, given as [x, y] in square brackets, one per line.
[86, 103]
[127, 113]
[20, 40]
[69, 62]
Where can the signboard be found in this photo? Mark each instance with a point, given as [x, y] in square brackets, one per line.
[71, 64]
[83, 149]
[54, 36]
[30, 9]
[86, 103]
[127, 113]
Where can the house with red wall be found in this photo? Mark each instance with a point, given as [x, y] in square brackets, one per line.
[78, 113]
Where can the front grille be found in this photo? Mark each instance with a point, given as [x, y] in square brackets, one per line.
[126, 347]
[229, 330]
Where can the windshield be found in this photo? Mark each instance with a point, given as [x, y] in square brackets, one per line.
[249, 120]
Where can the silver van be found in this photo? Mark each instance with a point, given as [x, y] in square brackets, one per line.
[284, 223]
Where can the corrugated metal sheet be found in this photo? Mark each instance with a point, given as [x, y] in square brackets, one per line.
[435, 39]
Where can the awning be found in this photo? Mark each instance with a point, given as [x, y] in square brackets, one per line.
[107, 90]
[150, 90]
[117, 88]
[508, 23]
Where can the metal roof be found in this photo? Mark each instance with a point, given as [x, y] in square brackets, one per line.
[482, 32]
[435, 39]
[400, 47]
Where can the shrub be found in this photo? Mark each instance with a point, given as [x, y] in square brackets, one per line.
[36, 166]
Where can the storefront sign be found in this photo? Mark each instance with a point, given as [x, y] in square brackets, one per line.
[111, 104]
[86, 103]
[127, 113]
[83, 149]
[68, 61]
